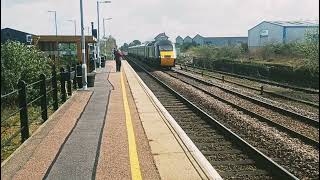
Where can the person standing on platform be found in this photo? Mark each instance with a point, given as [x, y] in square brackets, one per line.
[118, 55]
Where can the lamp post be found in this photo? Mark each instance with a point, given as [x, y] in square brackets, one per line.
[83, 50]
[98, 33]
[88, 28]
[55, 21]
[104, 28]
[75, 26]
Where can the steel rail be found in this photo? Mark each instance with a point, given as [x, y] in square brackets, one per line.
[312, 91]
[293, 133]
[262, 103]
[257, 89]
[268, 162]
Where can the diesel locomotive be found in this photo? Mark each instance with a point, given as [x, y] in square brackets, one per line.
[160, 53]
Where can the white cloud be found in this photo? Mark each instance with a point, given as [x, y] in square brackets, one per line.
[143, 19]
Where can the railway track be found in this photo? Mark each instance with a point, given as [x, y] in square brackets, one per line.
[282, 126]
[261, 89]
[228, 153]
[306, 90]
[276, 108]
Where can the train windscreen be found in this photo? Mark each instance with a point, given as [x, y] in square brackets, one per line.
[167, 47]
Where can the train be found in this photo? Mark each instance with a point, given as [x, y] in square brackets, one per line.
[160, 53]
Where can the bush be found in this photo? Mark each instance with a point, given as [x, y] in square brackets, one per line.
[300, 76]
[21, 61]
[218, 53]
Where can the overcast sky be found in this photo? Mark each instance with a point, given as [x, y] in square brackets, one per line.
[144, 19]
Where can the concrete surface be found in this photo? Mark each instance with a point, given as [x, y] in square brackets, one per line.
[170, 158]
[32, 159]
[78, 156]
[114, 152]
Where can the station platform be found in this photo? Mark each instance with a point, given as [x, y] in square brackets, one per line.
[115, 130]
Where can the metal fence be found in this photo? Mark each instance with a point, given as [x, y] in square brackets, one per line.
[56, 88]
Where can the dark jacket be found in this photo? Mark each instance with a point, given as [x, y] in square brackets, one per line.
[117, 55]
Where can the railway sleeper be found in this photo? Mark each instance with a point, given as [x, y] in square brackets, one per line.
[245, 174]
[232, 151]
[228, 163]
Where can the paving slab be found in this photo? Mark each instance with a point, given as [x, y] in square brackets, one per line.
[32, 159]
[78, 156]
[114, 160]
[170, 158]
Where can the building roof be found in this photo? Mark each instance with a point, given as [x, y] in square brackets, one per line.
[13, 35]
[161, 35]
[62, 39]
[179, 37]
[187, 37]
[198, 35]
[290, 24]
[228, 37]
[293, 23]
[10, 29]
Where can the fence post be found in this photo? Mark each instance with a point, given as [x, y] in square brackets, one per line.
[55, 88]
[63, 86]
[69, 86]
[43, 93]
[75, 78]
[222, 79]
[24, 125]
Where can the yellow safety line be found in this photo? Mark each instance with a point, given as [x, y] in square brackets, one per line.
[134, 160]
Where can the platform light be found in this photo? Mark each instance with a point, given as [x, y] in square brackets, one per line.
[98, 33]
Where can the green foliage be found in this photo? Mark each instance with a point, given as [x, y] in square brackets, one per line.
[186, 46]
[67, 60]
[20, 61]
[310, 50]
[300, 76]
[124, 47]
[134, 43]
[279, 50]
[106, 46]
[244, 48]
[217, 53]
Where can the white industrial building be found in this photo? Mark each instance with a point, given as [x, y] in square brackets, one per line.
[268, 32]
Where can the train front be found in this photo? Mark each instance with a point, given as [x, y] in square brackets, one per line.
[167, 53]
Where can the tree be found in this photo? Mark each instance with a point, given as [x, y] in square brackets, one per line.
[134, 43]
[124, 47]
[20, 61]
[310, 49]
[106, 46]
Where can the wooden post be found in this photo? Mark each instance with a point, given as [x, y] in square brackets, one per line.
[43, 93]
[63, 86]
[54, 88]
[24, 125]
[69, 86]
[222, 79]
[75, 77]
[261, 90]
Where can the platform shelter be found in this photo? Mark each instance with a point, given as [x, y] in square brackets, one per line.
[50, 43]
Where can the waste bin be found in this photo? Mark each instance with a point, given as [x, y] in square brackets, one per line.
[79, 81]
[91, 78]
[79, 75]
[103, 61]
